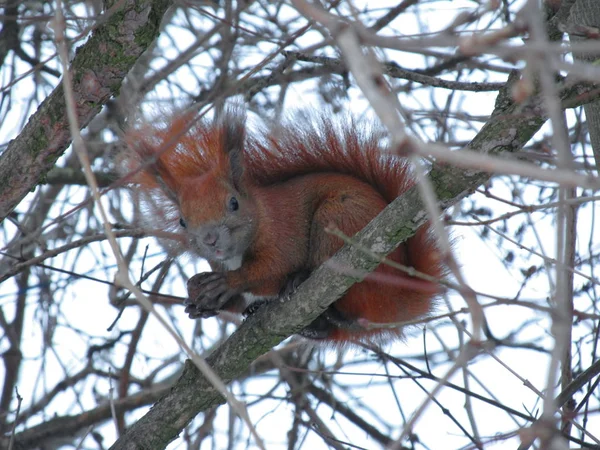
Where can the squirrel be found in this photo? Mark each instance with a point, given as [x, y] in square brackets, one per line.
[257, 205]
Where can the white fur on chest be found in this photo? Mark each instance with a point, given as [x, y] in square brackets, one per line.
[233, 263]
[251, 298]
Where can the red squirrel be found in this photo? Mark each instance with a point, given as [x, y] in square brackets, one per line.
[256, 205]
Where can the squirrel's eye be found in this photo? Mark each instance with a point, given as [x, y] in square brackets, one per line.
[182, 222]
[233, 204]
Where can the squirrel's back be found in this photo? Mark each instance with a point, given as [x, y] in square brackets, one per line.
[309, 143]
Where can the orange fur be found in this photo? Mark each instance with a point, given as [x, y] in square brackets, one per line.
[289, 184]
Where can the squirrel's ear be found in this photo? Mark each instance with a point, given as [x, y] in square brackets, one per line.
[234, 138]
[142, 164]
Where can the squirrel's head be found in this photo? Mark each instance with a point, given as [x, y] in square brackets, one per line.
[217, 213]
[199, 170]
[218, 218]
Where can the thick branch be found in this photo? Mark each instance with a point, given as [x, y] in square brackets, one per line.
[584, 24]
[97, 70]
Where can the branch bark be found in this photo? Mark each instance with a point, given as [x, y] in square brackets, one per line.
[97, 70]
[583, 25]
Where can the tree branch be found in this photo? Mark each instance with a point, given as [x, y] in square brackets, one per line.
[97, 70]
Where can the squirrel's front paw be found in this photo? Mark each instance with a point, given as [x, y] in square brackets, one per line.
[207, 294]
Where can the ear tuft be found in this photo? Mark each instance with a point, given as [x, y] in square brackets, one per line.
[233, 126]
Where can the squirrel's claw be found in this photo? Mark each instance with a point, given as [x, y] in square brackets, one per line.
[207, 294]
[291, 285]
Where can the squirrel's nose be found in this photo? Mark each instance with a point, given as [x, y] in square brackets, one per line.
[210, 238]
